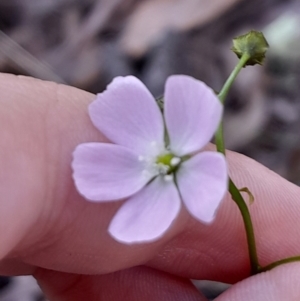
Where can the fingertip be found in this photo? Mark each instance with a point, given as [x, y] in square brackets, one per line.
[281, 283]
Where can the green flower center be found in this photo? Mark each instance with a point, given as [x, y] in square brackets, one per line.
[168, 162]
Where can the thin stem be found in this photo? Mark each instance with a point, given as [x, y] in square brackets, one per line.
[219, 139]
[223, 93]
[238, 199]
[222, 96]
[278, 263]
[234, 191]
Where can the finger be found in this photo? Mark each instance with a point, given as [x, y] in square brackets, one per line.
[138, 283]
[48, 224]
[279, 284]
[219, 251]
[44, 220]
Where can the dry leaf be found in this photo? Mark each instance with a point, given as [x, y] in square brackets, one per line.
[153, 18]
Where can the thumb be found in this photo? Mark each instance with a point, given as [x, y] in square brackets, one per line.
[279, 284]
[43, 220]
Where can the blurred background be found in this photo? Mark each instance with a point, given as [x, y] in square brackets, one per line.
[86, 43]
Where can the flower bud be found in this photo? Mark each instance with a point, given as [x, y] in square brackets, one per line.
[253, 44]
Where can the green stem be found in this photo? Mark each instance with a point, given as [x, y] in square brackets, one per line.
[223, 93]
[219, 140]
[222, 96]
[238, 199]
[278, 263]
[234, 191]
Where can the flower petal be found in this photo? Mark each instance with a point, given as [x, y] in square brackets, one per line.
[203, 182]
[127, 114]
[147, 215]
[192, 113]
[104, 172]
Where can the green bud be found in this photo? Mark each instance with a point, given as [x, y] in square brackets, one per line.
[253, 44]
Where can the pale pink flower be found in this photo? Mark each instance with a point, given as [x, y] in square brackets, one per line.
[155, 177]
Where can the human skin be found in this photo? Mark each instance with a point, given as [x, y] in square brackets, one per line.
[50, 231]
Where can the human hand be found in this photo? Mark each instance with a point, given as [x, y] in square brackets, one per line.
[50, 231]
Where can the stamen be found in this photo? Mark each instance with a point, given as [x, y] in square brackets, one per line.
[163, 164]
[162, 168]
[175, 161]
